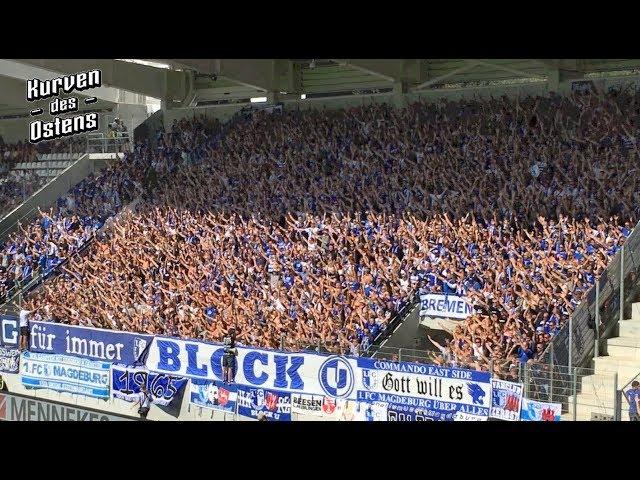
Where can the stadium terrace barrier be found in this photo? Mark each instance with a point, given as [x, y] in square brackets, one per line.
[99, 143]
[584, 394]
[21, 408]
[75, 363]
[597, 316]
[296, 386]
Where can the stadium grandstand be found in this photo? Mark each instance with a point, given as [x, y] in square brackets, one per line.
[323, 239]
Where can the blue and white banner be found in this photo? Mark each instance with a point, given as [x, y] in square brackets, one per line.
[214, 394]
[533, 411]
[126, 381]
[445, 306]
[316, 405]
[65, 374]
[468, 417]
[409, 413]
[506, 400]
[371, 412]
[275, 404]
[86, 342]
[426, 387]
[9, 360]
[309, 373]
[9, 331]
[354, 411]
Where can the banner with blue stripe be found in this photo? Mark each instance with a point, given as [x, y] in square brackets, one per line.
[214, 394]
[9, 331]
[274, 404]
[87, 342]
[438, 392]
[65, 374]
[126, 381]
[533, 411]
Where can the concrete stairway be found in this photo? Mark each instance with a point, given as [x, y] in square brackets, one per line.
[622, 356]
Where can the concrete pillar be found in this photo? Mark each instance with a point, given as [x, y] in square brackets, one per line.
[566, 79]
[399, 97]
[553, 82]
[560, 79]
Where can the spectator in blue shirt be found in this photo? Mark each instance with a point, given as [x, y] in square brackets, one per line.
[524, 353]
[633, 396]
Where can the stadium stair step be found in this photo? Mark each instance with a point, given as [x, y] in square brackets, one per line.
[613, 362]
[630, 329]
[625, 375]
[584, 417]
[597, 392]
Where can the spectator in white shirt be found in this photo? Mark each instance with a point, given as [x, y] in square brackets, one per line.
[24, 328]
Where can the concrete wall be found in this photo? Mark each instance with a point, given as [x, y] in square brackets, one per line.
[132, 115]
[186, 412]
[222, 113]
[15, 130]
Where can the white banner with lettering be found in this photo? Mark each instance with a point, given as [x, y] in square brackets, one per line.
[445, 306]
[308, 373]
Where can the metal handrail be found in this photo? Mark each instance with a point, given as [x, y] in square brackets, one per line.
[106, 144]
[18, 222]
[31, 212]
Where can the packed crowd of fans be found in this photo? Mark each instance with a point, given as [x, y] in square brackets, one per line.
[10, 154]
[73, 144]
[16, 187]
[64, 229]
[320, 225]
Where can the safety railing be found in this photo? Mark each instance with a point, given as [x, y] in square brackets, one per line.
[28, 187]
[401, 354]
[596, 317]
[72, 145]
[584, 393]
[101, 143]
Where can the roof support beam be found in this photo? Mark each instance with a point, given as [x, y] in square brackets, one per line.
[389, 70]
[257, 73]
[150, 81]
[515, 71]
[470, 64]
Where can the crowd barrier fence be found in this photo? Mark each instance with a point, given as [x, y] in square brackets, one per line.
[596, 317]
